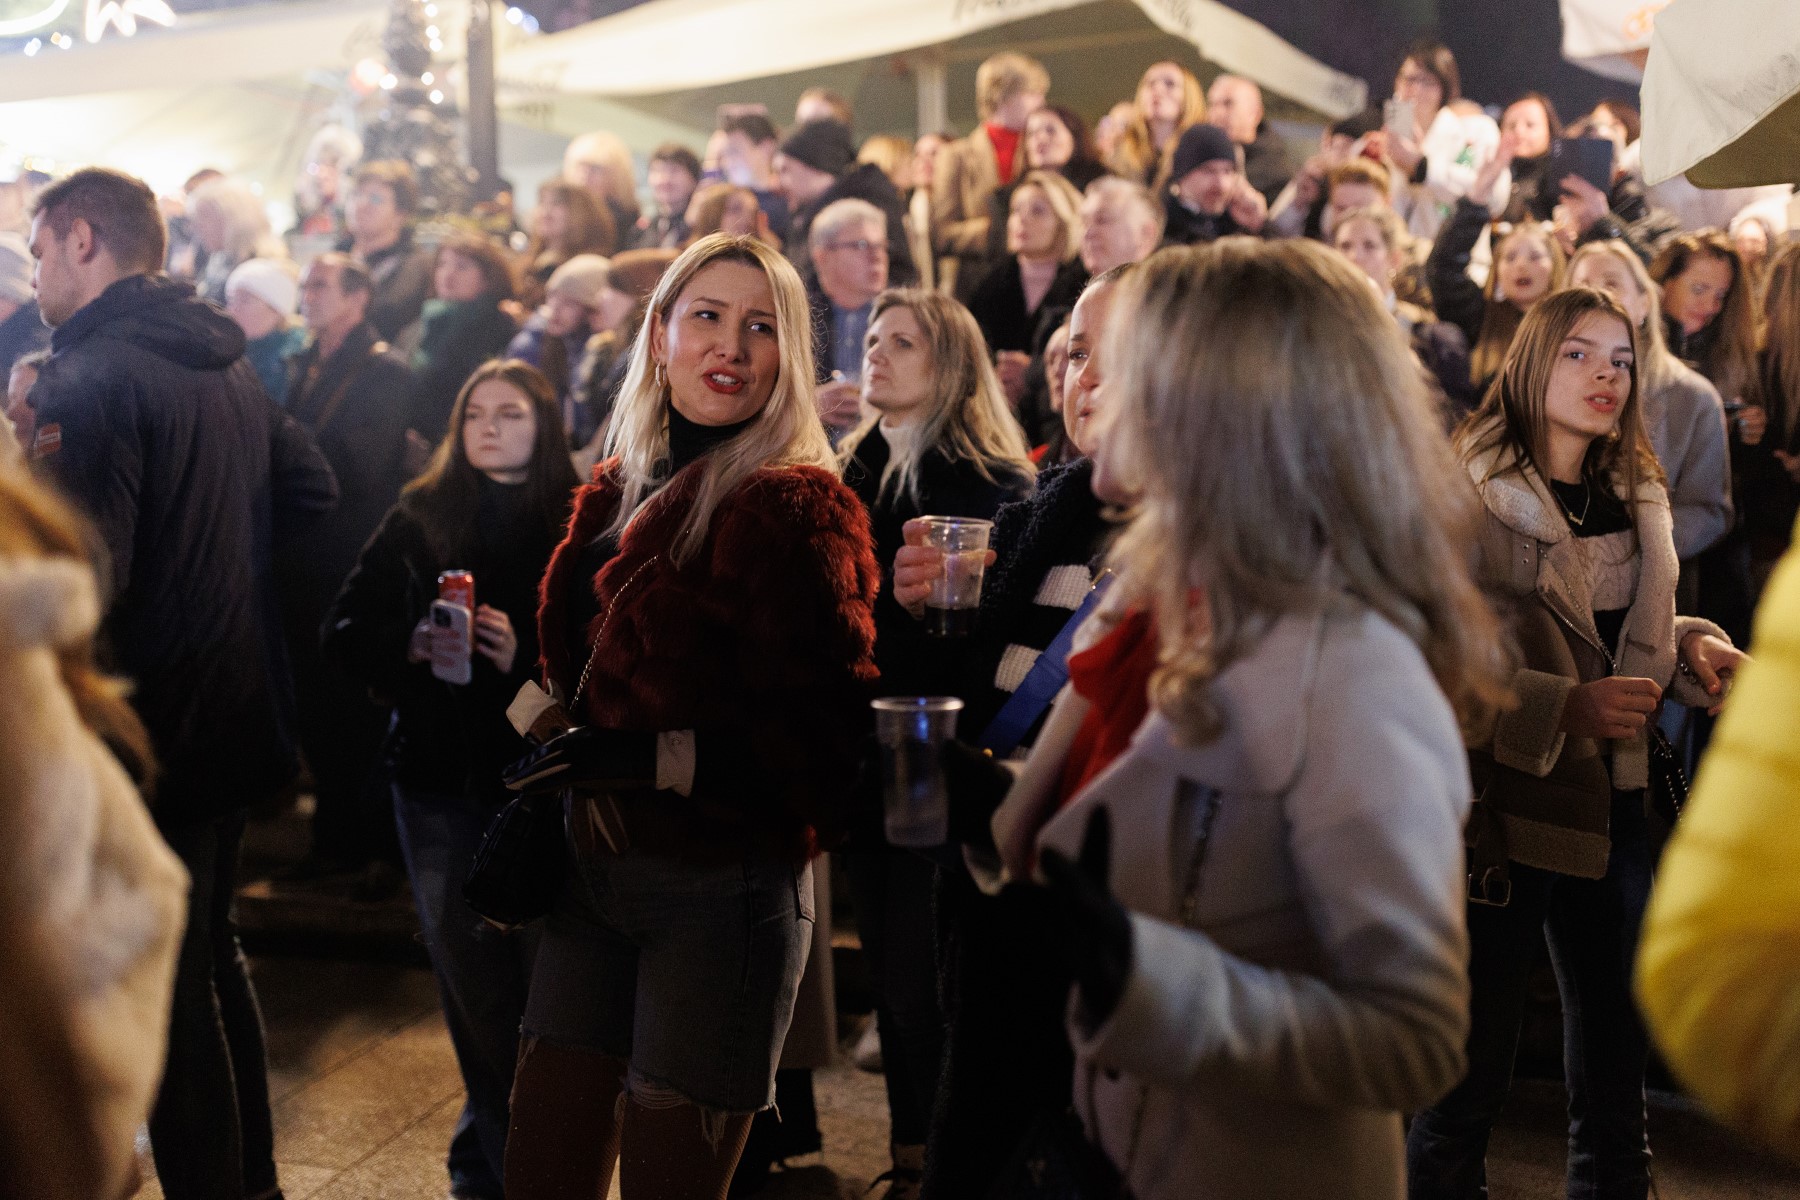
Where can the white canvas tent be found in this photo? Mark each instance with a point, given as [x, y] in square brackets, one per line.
[1608, 37]
[682, 45]
[1722, 94]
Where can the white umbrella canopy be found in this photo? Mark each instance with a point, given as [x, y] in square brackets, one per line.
[669, 46]
[1722, 94]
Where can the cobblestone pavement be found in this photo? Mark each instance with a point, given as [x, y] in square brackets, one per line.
[366, 1093]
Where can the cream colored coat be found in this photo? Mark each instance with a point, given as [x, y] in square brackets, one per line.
[1269, 1050]
[92, 905]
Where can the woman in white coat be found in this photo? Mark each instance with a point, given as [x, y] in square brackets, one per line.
[1269, 949]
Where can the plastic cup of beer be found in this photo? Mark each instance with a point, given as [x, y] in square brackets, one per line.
[950, 608]
[912, 731]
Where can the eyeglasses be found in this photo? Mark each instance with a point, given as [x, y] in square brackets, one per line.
[860, 246]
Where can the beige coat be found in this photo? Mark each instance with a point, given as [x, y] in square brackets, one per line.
[91, 910]
[1269, 1050]
[1551, 792]
[967, 175]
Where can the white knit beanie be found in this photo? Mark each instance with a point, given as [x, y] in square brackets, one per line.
[581, 279]
[270, 280]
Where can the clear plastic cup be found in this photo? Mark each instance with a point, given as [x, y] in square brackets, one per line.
[950, 608]
[912, 731]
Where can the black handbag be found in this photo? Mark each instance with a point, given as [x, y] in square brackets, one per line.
[1668, 782]
[1056, 1161]
[518, 869]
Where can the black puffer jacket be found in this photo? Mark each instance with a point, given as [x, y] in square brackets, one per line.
[162, 433]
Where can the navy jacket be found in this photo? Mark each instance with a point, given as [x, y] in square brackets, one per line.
[161, 432]
[20, 334]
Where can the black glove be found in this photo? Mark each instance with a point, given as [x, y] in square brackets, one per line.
[1098, 929]
[618, 758]
[977, 783]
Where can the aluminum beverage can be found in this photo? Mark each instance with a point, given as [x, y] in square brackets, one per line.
[457, 587]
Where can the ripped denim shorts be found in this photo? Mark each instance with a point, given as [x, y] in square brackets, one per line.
[687, 972]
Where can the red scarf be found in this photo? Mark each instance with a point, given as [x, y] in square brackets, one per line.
[1006, 149]
[1113, 675]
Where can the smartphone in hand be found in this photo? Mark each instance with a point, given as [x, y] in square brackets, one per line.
[452, 641]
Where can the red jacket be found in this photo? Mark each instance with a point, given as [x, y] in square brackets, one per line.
[763, 644]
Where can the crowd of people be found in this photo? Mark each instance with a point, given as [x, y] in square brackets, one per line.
[1328, 660]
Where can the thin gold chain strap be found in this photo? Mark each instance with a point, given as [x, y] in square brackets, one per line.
[594, 653]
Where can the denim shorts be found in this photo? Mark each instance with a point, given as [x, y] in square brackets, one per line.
[687, 972]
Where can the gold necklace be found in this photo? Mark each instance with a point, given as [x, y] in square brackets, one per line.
[1587, 502]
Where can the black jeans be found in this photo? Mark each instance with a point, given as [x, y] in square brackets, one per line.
[482, 975]
[1592, 927]
[210, 1130]
[892, 890]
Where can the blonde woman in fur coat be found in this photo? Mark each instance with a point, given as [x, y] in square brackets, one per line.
[92, 903]
[1579, 552]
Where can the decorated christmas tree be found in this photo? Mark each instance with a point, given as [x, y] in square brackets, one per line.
[418, 121]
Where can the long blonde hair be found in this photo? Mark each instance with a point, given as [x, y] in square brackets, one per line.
[785, 433]
[1656, 364]
[1512, 416]
[1136, 156]
[1500, 319]
[968, 419]
[1065, 202]
[1289, 457]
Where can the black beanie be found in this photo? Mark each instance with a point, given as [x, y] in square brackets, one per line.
[822, 145]
[1199, 145]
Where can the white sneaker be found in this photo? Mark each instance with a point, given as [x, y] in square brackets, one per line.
[867, 1054]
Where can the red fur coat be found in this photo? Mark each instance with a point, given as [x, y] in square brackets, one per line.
[763, 644]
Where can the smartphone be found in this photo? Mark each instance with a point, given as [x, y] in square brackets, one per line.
[451, 657]
[1399, 118]
[1589, 158]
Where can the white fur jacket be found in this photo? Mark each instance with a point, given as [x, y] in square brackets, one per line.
[92, 905]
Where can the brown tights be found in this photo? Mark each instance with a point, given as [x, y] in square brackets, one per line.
[567, 1134]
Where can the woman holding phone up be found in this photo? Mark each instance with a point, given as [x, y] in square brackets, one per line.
[493, 502]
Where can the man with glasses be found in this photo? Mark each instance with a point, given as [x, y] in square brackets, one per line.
[379, 216]
[848, 248]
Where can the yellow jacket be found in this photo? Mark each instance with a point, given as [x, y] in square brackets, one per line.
[1719, 964]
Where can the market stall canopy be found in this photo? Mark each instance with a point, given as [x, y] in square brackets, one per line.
[236, 45]
[1722, 94]
[676, 45]
[1608, 37]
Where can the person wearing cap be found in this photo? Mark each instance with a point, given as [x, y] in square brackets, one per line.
[1008, 89]
[263, 295]
[21, 329]
[350, 391]
[555, 336]
[1209, 198]
[816, 167]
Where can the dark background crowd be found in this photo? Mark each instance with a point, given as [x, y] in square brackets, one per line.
[411, 398]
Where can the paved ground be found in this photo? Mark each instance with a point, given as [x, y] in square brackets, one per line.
[366, 1093]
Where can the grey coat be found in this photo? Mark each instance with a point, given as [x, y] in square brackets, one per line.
[1269, 1049]
[1686, 422]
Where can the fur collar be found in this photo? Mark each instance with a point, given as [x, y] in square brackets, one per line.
[46, 602]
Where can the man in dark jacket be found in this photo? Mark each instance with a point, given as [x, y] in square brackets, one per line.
[21, 329]
[1209, 198]
[816, 167]
[350, 392]
[379, 217]
[151, 419]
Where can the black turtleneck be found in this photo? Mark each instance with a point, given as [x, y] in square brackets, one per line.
[688, 441]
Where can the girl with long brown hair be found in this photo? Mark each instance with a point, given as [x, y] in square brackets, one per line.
[1577, 550]
[1771, 458]
[567, 221]
[493, 502]
[1709, 310]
